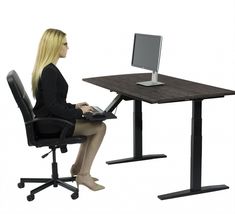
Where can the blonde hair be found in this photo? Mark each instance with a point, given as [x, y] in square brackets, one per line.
[48, 52]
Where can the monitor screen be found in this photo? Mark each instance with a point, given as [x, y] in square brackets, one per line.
[146, 51]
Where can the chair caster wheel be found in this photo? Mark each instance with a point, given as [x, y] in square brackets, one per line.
[74, 195]
[30, 197]
[20, 185]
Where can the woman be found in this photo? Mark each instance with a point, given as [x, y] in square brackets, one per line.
[50, 90]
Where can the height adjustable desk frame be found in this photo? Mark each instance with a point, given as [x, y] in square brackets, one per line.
[175, 90]
[137, 132]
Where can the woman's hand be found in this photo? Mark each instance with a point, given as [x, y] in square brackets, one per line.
[79, 105]
[86, 109]
[84, 106]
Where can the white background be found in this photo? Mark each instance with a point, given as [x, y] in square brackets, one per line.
[198, 45]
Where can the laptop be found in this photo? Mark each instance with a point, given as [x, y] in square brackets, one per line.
[97, 112]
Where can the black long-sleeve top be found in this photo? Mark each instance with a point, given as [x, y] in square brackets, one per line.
[51, 100]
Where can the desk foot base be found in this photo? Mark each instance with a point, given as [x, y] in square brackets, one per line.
[144, 157]
[193, 192]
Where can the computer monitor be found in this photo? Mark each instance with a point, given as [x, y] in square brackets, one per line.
[146, 54]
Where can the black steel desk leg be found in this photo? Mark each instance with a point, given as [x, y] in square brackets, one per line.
[196, 159]
[137, 129]
[137, 138]
[196, 146]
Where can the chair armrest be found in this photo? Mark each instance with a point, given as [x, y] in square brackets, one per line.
[64, 124]
[58, 121]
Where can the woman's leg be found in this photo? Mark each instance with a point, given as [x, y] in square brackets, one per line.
[95, 133]
[92, 148]
[75, 169]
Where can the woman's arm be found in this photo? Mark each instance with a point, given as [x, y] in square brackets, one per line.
[60, 109]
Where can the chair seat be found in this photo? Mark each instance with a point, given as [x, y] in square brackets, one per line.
[55, 141]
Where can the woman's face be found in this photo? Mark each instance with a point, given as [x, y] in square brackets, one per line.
[64, 49]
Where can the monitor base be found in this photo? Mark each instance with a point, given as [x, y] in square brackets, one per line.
[150, 83]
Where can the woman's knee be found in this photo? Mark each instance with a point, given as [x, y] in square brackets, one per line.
[102, 127]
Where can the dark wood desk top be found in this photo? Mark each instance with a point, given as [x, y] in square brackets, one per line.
[174, 89]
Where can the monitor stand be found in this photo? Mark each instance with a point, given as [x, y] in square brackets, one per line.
[153, 82]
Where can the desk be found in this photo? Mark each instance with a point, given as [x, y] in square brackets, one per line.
[174, 90]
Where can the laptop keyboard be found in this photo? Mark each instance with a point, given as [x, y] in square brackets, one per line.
[97, 110]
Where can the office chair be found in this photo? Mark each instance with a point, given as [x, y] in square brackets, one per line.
[35, 139]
